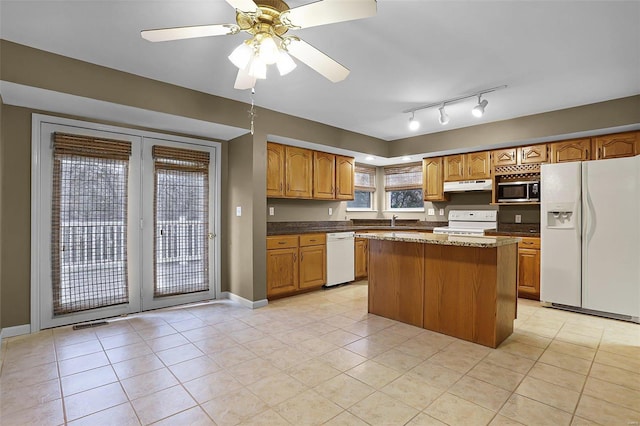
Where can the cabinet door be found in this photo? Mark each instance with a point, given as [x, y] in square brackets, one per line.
[298, 172]
[454, 167]
[504, 157]
[275, 170]
[361, 258]
[573, 150]
[478, 165]
[533, 154]
[282, 271]
[529, 273]
[345, 177]
[432, 179]
[324, 175]
[615, 146]
[313, 266]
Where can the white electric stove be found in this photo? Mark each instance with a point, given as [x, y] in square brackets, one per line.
[469, 222]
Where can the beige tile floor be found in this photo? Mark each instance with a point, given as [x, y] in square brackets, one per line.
[320, 358]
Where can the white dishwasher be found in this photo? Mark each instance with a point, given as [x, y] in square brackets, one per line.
[340, 258]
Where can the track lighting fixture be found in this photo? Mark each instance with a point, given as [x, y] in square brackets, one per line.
[413, 123]
[477, 111]
[444, 117]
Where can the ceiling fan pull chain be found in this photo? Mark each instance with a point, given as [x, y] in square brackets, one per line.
[252, 112]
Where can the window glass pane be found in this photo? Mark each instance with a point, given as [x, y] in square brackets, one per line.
[361, 200]
[406, 199]
[89, 250]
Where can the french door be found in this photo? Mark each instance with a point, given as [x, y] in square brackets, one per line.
[125, 223]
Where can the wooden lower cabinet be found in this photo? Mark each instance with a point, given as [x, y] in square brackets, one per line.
[361, 258]
[529, 268]
[282, 271]
[295, 263]
[313, 266]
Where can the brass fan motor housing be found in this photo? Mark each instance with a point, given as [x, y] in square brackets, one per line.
[267, 21]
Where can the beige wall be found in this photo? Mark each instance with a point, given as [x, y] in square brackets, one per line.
[1, 161]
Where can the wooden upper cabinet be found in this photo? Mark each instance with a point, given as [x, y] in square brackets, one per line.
[454, 167]
[275, 170]
[298, 172]
[571, 150]
[505, 157]
[615, 146]
[478, 165]
[345, 177]
[432, 179]
[324, 175]
[475, 165]
[533, 154]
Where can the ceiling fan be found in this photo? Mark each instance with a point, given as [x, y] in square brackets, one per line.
[268, 22]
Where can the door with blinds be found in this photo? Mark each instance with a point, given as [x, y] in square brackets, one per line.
[125, 223]
[178, 254]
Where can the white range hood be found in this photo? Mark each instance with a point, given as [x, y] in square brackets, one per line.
[468, 185]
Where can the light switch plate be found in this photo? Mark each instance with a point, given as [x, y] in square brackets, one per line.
[272, 211]
[441, 212]
[330, 211]
[518, 218]
[238, 211]
[431, 212]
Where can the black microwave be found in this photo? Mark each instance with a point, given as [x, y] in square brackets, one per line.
[518, 192]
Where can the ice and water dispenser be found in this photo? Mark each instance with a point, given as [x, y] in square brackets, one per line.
[561, 215]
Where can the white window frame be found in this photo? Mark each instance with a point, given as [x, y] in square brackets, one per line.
[371, 207]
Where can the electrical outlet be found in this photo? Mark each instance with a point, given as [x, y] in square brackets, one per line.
[431, 212]
[441, 212]
[518, 218]
[330, 211]
[272, 211]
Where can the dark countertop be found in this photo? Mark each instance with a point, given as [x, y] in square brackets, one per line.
[288, 228]
[517, 230]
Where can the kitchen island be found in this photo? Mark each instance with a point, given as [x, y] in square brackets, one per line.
[461, 286]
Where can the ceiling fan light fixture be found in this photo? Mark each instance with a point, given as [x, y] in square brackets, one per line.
[268, 50]
[285, 63]
[478, 110]
[257, 68]
[444, 117]
[241, 56]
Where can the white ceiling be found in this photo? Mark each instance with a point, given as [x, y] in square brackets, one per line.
[551, 54]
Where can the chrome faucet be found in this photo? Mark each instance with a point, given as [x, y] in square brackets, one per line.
[393, 220]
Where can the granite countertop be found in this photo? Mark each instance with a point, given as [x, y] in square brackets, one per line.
[517, 230]
[288, 228]
[442, 239]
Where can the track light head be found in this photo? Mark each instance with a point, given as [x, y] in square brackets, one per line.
[444, 117]
[478, 110]
[413, 123]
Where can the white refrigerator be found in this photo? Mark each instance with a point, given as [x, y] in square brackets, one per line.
[590, 236]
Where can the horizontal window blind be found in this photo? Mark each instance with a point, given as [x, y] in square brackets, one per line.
[365, 178]
[89, 223]
[180, 159]
[407, 176]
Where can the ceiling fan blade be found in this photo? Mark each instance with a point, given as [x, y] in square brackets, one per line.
[180, 33]
[244, 80]
[243, 5]
[317, 60]
[328, 12]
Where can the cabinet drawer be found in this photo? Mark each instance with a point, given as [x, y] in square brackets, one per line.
[312, 239]
[530, 242]
[282, 241]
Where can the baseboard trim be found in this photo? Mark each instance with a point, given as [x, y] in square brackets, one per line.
[244, 302]
[17, 330]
